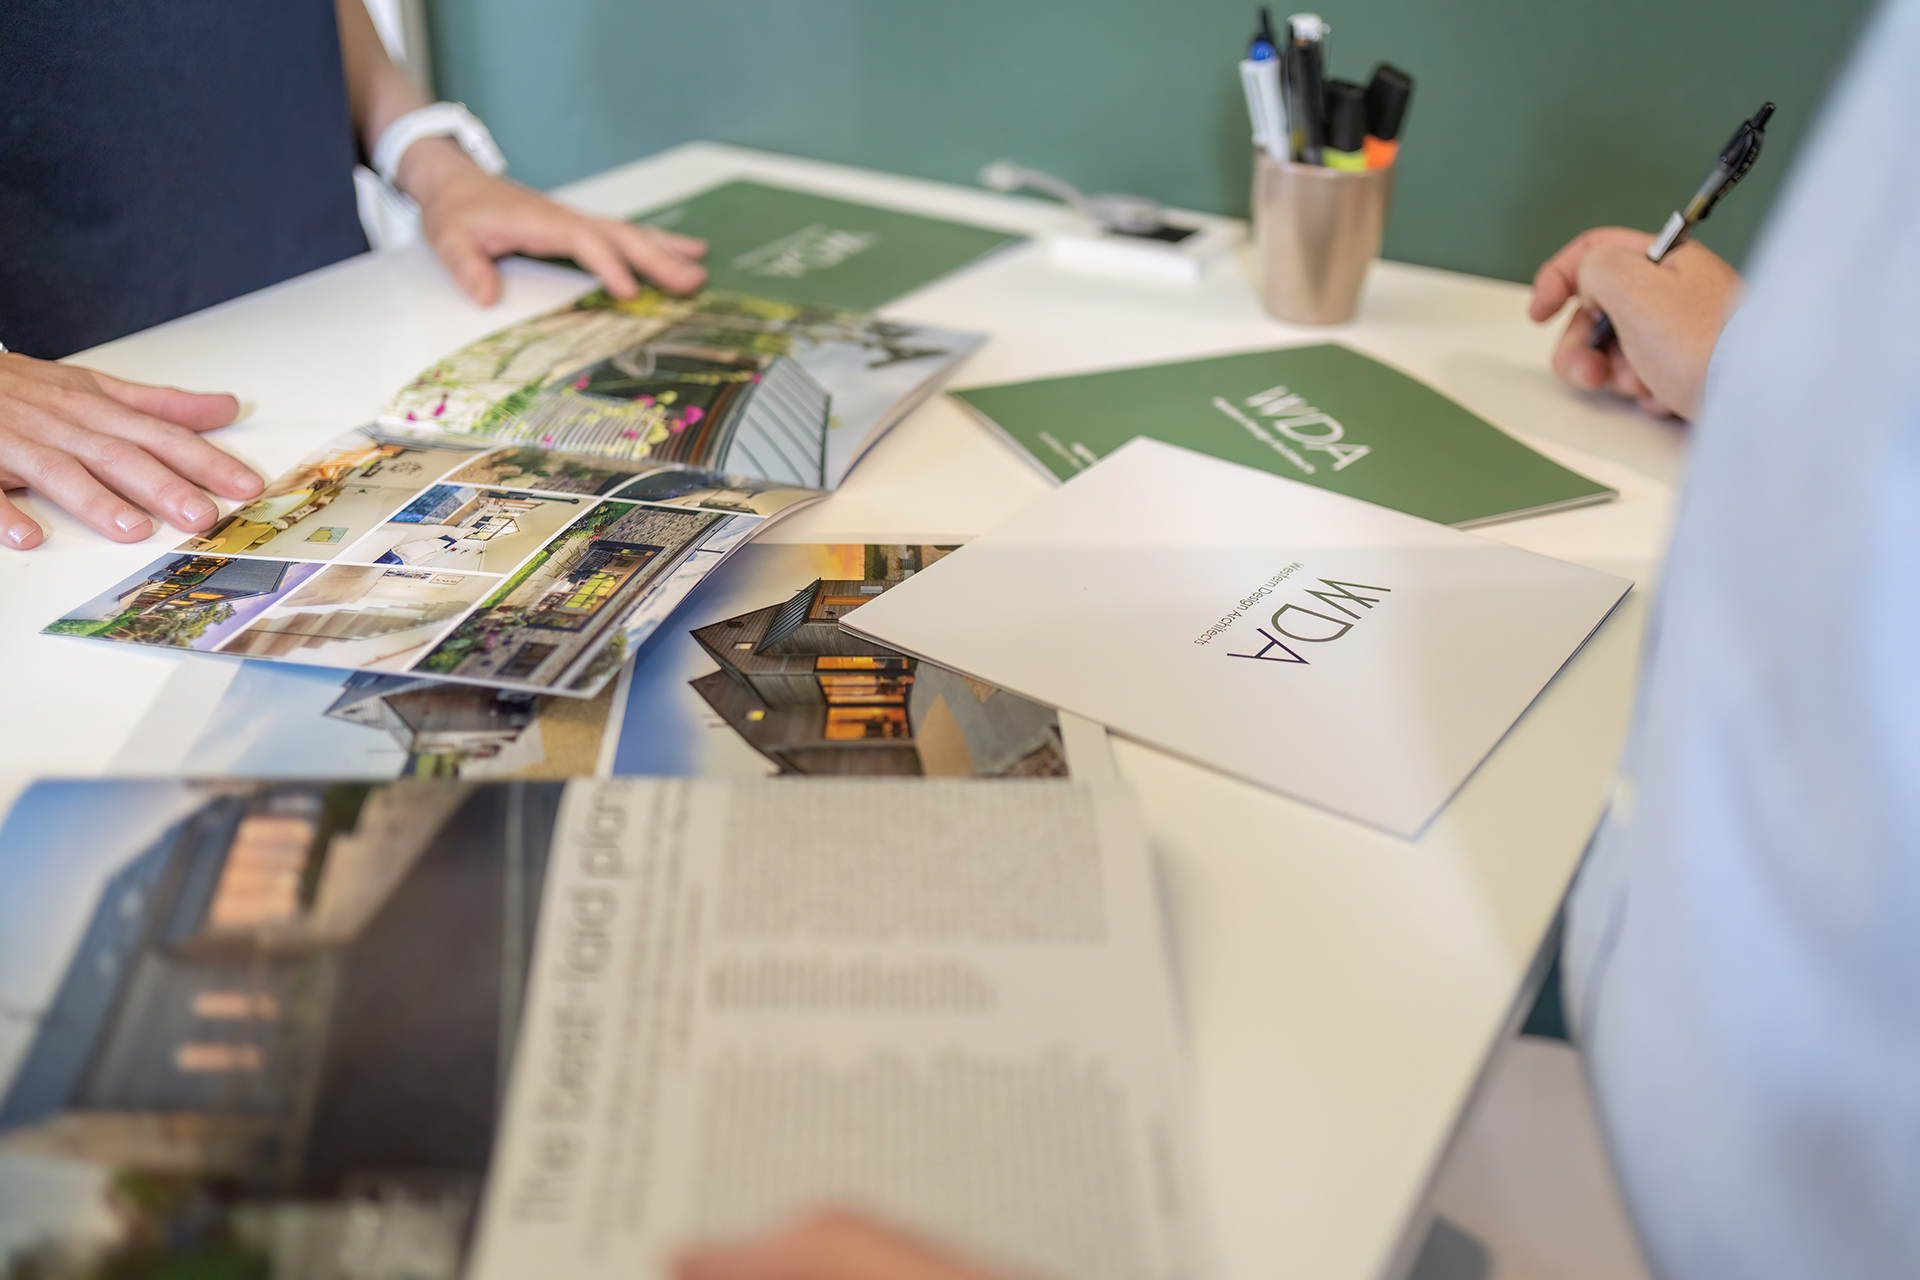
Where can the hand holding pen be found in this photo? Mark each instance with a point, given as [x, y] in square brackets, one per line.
[1669, 316]
[1742, 149]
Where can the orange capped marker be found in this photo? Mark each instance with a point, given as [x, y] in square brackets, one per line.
[1387, 96]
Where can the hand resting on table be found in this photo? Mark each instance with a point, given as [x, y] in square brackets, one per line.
[111, 451]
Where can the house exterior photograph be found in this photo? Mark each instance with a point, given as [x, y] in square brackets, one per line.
[284, 1019]
[561, 605]
[817, 699]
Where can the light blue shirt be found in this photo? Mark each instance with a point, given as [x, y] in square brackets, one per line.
[1743, 948]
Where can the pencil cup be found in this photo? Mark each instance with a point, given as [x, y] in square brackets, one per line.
[1316, 231]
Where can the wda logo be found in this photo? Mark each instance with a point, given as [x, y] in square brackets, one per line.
[1333, 629]
[811, 248]
[1293, 418]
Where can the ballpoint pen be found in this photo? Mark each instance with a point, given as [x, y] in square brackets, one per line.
[1735, 159]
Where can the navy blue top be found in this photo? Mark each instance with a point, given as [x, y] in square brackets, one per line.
[159, 156]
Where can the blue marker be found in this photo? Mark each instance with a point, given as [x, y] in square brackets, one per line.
[1262, 49]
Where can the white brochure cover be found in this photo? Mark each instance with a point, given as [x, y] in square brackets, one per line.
[1334, 650]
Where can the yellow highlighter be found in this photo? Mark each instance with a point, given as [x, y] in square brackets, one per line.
[1346, 127]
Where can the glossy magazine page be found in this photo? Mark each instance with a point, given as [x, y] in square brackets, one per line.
[435, 1029]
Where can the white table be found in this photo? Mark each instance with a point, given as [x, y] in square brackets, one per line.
[1343, 988]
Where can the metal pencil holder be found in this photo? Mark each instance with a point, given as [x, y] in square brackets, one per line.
[1316, 231]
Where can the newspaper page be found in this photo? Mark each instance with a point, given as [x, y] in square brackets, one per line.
[942, 1003]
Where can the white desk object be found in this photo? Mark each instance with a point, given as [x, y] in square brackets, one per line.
[1120, 235]
[1089, 247]
[1343, 988]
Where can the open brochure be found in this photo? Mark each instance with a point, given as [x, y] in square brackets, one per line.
[515, 567]
[693, 703]
[532, 507]
[1324, 415]
[427, 1029]
[1345, 654]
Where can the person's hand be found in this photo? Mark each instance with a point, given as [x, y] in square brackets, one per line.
[471, 218]
[827, 1246]
[1667, 315]
[111, 451]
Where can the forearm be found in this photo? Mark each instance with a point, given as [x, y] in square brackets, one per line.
[471, 216]
[378, 93]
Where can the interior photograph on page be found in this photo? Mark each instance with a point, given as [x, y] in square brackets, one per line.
[509, 566]
[757, 673]
[739, 384]
[238, 1006]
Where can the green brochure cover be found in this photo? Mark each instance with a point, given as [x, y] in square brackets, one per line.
[798, 247]
[1323, 414]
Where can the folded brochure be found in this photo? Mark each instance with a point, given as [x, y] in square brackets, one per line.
[781, 392]
[434, 1030]
[1351, 656]
[1325, 415]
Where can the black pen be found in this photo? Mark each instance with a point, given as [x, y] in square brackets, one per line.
[1306, 88]
[1735, 159]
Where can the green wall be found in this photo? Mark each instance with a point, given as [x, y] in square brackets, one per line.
[1532, 119]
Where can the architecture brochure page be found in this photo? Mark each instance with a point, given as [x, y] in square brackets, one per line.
[752, 675]
[756, 674]
[1325, 415]
[1344, 654]
[517, 567]
[435, 1030]
[786, 393]
[818, 251]
[531, 508]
